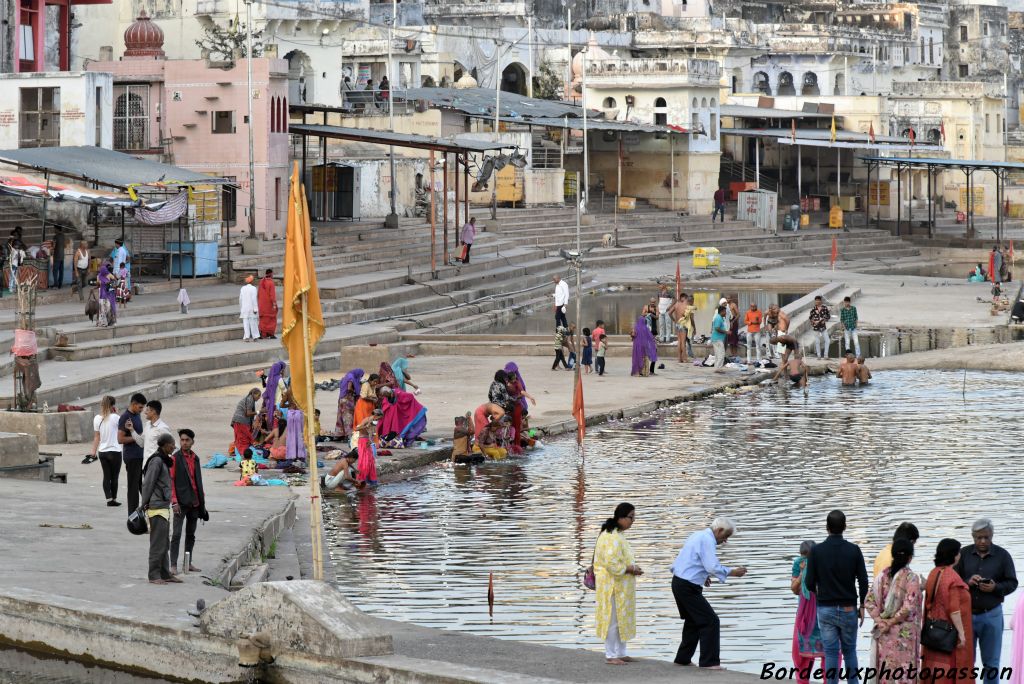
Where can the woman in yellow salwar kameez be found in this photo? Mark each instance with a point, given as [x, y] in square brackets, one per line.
[615, 575]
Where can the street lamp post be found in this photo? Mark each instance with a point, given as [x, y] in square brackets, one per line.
[392, 219]
[252, 163]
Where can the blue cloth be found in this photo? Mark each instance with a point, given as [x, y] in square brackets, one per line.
[588, 351]
[216, 461]
[988, 632]
[698, 559]
[839, 632]
[718, 328]
[399, 367]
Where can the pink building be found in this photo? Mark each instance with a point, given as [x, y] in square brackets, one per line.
[193, 114]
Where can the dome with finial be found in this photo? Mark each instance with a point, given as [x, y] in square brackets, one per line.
[143, 38]
[466, 81]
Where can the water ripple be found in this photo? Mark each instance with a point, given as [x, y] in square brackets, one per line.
[930, 447]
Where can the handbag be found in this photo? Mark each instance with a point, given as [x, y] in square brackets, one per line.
[938, 635]
[137, 523]
[589, 578]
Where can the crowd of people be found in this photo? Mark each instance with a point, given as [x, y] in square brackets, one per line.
[164, 480]
[930, 629]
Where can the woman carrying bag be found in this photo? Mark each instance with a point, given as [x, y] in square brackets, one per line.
[946, 637]
[615, 576]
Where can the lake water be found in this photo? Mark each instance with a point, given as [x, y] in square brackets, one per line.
[929, 447]
[619, 310]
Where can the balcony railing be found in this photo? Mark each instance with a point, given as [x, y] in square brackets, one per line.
[702, 71]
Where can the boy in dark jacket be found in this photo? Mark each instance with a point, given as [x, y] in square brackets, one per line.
[188, 500]
[156, 500]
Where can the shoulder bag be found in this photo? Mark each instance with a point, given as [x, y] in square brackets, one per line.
[938, 635]
[589, 578]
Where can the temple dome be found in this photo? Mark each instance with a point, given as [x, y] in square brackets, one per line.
[143, 38]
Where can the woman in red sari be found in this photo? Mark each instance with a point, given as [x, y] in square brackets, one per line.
[948, 598]
[266, 296]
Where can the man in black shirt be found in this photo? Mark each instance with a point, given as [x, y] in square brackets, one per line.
[837, 576]
[988, 571]
[130, 451]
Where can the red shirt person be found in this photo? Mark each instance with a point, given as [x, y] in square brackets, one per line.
[267, 299]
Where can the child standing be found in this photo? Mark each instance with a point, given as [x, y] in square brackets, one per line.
[588, 351]
[602, 347]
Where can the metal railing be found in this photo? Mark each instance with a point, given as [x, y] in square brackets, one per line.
[375, 102]
[734, 171]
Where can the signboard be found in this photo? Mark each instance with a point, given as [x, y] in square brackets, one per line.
[878, 193]
[978, 200]
[759, 206]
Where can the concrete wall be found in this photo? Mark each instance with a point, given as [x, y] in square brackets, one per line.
[85, 98]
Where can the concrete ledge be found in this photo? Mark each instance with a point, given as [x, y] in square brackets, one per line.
[258, 545]
[47, 428]
[304, 616]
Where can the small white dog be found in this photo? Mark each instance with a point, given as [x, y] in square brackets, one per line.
[606, 240]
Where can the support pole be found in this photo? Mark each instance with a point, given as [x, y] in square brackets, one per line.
[799, 174]
[248, 99]
[46, 198]
[315, 510]
[867, 205]
[465, 187]
[444, 205]
[899, 198]
[457, 225]
[757, 163]
[839, 172]
[929, 192]
[672, 171]
[181, 258]
[392, 220]
[433, 219]
[910, 200]
[618, 186]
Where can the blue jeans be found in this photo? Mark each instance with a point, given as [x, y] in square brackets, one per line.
[988, 632]
[839, 631]
[719, 209]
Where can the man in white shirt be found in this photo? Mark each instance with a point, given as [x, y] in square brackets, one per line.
[249, 311]
[561, 302]
[152, 427]
[692, 570]
[665, 302]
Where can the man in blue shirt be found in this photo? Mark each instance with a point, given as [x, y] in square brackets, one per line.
[692, 570]
[719, 330]
[132, 452]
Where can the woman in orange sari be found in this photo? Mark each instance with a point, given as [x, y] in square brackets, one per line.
[366, 403]
[947, 598]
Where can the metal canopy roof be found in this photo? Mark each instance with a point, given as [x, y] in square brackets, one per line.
[481, 101]
[753, 112]
[103, 166]
[422, 142]
[812, 136]
[596, 125]
[951, 163]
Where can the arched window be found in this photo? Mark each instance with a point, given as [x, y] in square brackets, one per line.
[609, 103]
[810, 86]
[275, 115]
[840, 85]
[934, 135]
[786, 86]
[712, 103]
[735, 84]
[761, 84]
[660, 112]
[694, 103]
[703, 103]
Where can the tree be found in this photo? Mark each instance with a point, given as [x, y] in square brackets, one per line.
[547, 85]
[225, 43]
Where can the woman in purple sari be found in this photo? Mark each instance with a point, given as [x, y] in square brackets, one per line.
[348, 394]
[108, 289]
[645, 349]
[404, 418]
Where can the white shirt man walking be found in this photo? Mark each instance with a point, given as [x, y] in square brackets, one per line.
[249, 310]
[692, 570]
[561, 302]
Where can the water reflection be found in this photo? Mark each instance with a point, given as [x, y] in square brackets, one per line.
[926, 447]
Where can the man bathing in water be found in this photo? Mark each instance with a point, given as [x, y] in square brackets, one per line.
[776, 323]
[785, 345]
[863, 373]
[795, 369]
[848, 370]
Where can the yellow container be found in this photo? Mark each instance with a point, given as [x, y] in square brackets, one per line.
[706, 257]
[805, 220]
[627, 203]
[835, 217]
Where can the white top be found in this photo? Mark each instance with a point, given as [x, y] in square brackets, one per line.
[248, 304]
[561, 293]
[120, 256]
[150, 434]
[663, 304]
[108, 433]
[698, 559]
[83, 259]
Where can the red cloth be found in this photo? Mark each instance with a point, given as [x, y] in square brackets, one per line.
[243, 437]
[367, 463]
[266, 297]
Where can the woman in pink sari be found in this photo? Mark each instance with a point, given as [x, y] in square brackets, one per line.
[895, 604]
[807, 644]
[404, 419]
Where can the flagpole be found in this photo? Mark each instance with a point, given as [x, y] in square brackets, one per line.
[315, 511]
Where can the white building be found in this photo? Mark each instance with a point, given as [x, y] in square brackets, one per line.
[56, 109]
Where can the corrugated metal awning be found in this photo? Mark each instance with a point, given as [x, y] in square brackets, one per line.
[107, 167]
[422, 142]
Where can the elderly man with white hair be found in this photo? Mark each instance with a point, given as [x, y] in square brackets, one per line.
[692, 570]
[989, 572]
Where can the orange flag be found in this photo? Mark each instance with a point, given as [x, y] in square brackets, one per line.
[577, 409]
[300, 286]
[835, 253]
[871, 132]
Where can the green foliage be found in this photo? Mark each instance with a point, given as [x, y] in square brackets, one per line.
[223, 43]
[547, 85]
